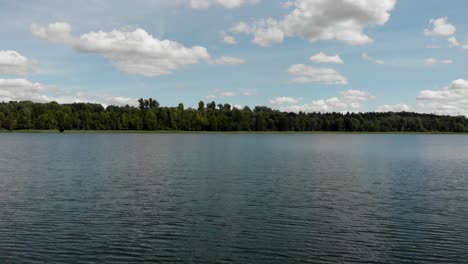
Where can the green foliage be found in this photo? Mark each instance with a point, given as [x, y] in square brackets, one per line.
[149, 115]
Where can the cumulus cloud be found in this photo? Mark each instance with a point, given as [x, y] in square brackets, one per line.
[228, 39]
[134, 52]
[266, 32]
[11, 62]
[25, 90]
[220, 94]
[59, 32]
[440, 28]
[205, 4]
[394, 108]
[322, 58]
[307, 74]
[137, 52]
[315, 20]
[287, 4]
[225, 60]
[450, 100]
[347, 101]
[366, 57]
[453, 42]
[432, 61]
[284, 100]
[22, 89]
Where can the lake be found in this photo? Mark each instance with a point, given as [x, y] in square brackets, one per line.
[233, 198]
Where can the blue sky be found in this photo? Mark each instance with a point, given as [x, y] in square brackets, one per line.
[66, 51]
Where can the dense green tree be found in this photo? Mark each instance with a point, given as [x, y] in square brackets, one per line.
[149, 115]
[201, 106]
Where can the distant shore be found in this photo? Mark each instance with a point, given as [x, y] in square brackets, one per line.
[36, 131]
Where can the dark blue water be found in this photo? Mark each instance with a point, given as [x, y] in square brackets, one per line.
[216, 198]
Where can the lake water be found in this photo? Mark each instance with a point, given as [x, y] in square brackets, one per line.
[222, 198]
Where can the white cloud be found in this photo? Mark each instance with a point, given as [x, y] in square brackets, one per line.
[366, 57]
[25, 90]
[308, 74]
[228, 39]
[440, 28]
[432, 61]
[225, 60]
[287, 4]
[356, 95]
[323, 58]
[137, 52]
[21, 89]
[348, 101]
[11, 62]
[205, 4]
[284, 100]
[451, 100]
[250, 92]
[394, 108]
[314, 20]
[99, 99]
[453, 42]
[220, 94]
[59, 32]
[133, 52]
[266, 32]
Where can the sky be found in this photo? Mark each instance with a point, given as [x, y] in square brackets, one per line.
[296, 55]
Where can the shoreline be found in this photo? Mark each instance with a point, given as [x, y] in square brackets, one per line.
[33, 131]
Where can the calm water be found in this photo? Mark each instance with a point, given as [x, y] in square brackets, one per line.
[215, 198]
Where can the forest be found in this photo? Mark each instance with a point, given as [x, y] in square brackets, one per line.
[149, 115]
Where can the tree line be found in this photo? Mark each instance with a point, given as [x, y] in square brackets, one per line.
[149, 115]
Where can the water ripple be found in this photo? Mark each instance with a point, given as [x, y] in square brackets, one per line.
[233, 199]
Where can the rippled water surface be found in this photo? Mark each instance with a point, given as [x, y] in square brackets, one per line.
[220, 198]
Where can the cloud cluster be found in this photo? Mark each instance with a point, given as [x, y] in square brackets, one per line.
[11, 62]
[205, 4]
[228, 39]
[25, 90]
[58, 33]
[453, 42]
[22, 89]
[440, 28]
[314, 20]
[220, 94]
[347, 101]
[322, 58]
[394, 108]
[433, 61]
[226, 60]
[137, 52]
[284, 100]
[451, 100]
[265, 32]
[308, 74]
[134, 52]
